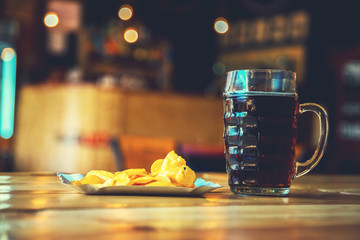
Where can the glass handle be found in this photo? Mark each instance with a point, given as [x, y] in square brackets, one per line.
[304, 167]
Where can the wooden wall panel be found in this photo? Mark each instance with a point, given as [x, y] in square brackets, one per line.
[191, 119]
[67, 127]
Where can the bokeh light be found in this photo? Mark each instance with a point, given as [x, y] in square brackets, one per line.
[125, 12]
[131, 35]
[7, 54]
[7, 92]
[221, 25]
[51, 19]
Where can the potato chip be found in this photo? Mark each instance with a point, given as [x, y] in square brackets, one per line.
[186, 176]
[121, 179]
[109, 182]
[143, 180]
[175, 169]
[101, 174]
[172, 162]
[156, 166]
[162, 178]
[134, 172]
[92, 179]
[170, 171]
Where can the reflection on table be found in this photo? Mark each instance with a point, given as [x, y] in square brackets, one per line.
[38, 206]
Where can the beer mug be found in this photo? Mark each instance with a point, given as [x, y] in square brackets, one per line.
[261, 109]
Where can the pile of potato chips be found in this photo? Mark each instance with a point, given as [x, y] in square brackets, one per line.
[170, 171]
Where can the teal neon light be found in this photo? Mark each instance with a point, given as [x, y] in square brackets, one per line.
[7, 96]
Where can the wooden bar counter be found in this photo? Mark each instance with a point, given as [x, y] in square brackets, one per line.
[38, 206]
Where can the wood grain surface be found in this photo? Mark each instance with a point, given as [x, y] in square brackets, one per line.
[38, 206]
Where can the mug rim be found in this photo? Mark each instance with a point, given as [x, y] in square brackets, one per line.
[260, 81]
[262, 70]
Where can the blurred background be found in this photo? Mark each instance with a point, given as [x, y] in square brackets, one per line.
[89, 84]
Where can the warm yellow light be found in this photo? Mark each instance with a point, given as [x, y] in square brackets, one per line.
[221, 25]
[125, 12]
[7, 54]
[131, 35]
[51, 19]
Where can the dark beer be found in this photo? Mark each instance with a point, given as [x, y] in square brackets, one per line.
[260, 138]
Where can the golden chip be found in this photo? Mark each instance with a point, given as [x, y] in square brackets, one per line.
[101, 174]
[108, 182]
[156, 166]
[92, 179]
[143, 180]
[121, 179]
[170, 171]
[172, 162]
[134, 172]
[162, 178]
[186, 176]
